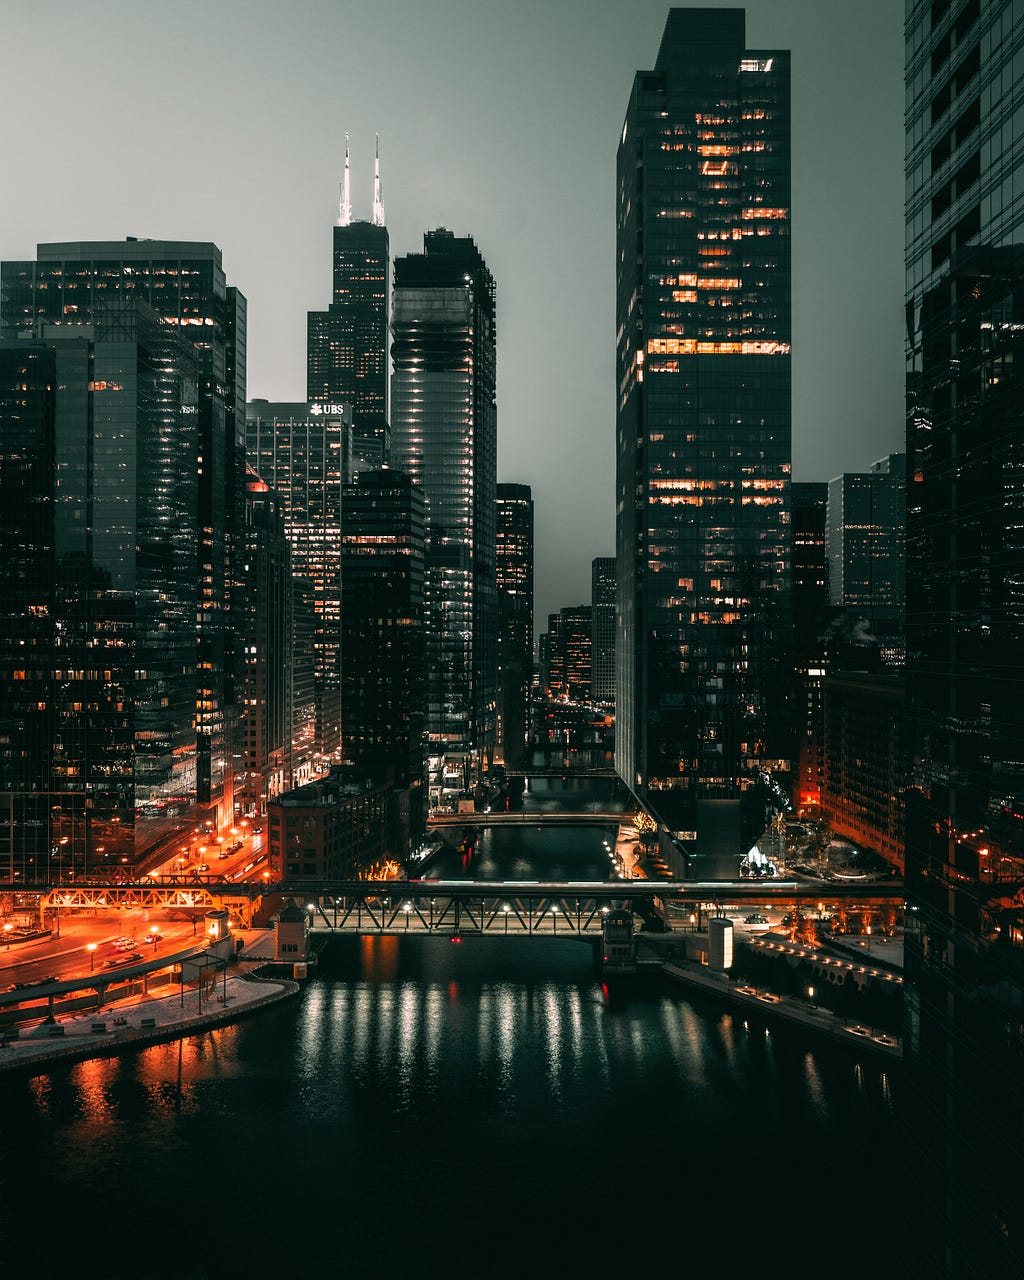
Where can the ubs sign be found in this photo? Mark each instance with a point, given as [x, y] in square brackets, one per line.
[326, 409]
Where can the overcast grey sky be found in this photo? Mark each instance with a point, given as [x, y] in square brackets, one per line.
[224, 120]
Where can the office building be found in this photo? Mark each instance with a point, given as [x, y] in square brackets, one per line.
[569, 650]
[703, 428]
[603, 590]
[334, 828]
[865, 548]
[304, 453]
[100, 536]
[514, 575]
[383, 643]
[184, 282]
[347, 345]
[267, 716]
[811, 613]
[965, 619]
[444, 434]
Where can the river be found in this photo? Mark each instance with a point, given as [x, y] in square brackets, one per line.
[489, 1107]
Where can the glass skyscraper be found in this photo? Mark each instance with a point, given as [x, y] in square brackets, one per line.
[99, 539]
[70, 284]
[347, 345]
[602, 650]
[703, 433]
[964, 1041]
[514, 568]
[444, 434]
[383, 653]
[303, 453]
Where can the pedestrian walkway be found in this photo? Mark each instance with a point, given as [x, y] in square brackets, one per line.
[137, 1021]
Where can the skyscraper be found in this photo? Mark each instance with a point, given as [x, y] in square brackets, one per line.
[865, 547]
[444, 434]
[810, 614]
[266, 725]
[514, 570]
[383, 645]
[185, 284]
[347, 345]
[703, 428]
[99, 541]
[303, 453]
[965, 627]
[602, 648]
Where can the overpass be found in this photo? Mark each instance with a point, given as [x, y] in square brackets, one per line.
[588, 817]
[570, 771]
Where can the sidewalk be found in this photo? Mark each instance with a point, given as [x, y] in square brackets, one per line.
[139, 1020]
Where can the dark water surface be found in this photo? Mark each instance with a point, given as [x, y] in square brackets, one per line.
[488, 1108]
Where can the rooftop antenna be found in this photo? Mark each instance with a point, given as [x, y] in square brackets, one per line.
[345, 204]
[378, 207]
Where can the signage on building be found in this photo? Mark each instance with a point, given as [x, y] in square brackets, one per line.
[326, 408]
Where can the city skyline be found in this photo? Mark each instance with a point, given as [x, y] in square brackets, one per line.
[516, 151]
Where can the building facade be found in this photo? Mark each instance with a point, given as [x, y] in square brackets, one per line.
[383, 643]
[335, 828]
[811, 613]
[603, 590]
[514, 576]
[304, 454]
[347, 345]
[444, 434]
[703, 430]
[100, 535]
[965, 623]
[184, 282]
[267, 717]
[865, 536]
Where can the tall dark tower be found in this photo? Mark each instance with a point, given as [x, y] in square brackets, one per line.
[602, 648]
[383, 655]
[703, 425]
[99, 541]
[68, 285]
[965, 631]
[347, 345]
[514, 568]
[445, 436]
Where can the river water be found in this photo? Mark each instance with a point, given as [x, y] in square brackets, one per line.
[488, 1108]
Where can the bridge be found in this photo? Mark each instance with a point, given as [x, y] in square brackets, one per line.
[589, 817]
[569, 771]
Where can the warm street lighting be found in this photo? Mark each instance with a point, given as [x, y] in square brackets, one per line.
[91, 948]
[8, 930]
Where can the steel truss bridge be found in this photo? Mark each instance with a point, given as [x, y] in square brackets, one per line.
[588, 817]
[570, 771]
[462, 906]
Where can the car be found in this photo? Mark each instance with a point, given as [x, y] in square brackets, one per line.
[154, 937]
[756, 918]
[203, 867]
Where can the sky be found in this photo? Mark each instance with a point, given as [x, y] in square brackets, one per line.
[225, 120]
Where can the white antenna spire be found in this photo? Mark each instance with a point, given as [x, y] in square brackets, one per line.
[378, 207]
[345, 204]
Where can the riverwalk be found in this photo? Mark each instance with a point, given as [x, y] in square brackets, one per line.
[136, 1022]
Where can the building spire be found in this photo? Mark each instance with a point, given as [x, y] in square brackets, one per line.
[378, 206]
[345, 204]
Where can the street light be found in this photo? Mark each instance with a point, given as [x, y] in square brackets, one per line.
[8, 930]
[91, 948]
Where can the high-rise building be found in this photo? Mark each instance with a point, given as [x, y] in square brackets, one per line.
[383, 643]
[865, 525]
[569, 640]
[965, 626]
[444, 434]
[603, 589]
[303, 453]
[347, 345]
[99, 540]
[266, 722]
[514, 572]
[810, 616]
[185, 284]
[703, 427]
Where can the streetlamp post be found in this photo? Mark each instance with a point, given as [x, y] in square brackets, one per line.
[91, 948]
